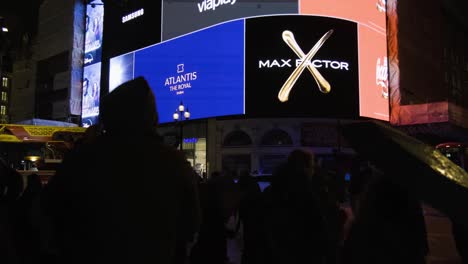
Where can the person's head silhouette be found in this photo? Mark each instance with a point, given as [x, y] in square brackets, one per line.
[139, 110]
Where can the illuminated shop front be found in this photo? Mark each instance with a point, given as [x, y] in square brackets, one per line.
[191, 138]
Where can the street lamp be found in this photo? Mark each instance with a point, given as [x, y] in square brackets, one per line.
[180, 114]
[4, 29]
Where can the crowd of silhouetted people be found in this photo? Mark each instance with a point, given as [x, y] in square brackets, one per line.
[21, 222]
[124, 196]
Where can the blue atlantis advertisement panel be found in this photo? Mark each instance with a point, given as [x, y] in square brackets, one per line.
[204, 70]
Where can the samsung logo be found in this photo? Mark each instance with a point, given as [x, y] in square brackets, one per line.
[133, 15]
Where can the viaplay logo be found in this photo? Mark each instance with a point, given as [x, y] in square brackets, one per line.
[211, 5]
[304, 61]
[181, 81]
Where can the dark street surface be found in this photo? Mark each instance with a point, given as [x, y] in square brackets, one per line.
[441, 244]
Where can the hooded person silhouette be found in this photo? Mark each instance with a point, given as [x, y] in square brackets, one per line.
[131, 104]
[125, 196]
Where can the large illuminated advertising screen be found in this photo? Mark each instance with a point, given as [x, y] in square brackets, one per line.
[204, 71]
[91, 94]
[269, 58]
[301, 66]
[93, 34]
[416, 94]
[182, 16]
[92, 64]
[131, 25]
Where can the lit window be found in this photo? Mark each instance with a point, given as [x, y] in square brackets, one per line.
[4, 96]
[5, 82]
[3, 110]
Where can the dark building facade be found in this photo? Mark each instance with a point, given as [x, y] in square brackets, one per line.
[428, 68]
[5, 71]
[5, 95]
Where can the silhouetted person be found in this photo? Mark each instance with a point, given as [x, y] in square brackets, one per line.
[11, 184]
[361, 174]
[90, 135]
[4, 171]
[28, 221]
[126, 197]
[388, 227]
[294, 223]
[251, 216]
[360, 177]
[460, 236]
[334, 217]
[216, 201]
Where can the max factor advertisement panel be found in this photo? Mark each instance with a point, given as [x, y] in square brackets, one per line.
[182, 16]
[370, 16]
[204, 70]
[301, 66]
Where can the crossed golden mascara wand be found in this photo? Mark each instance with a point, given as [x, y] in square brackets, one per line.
[324, 85]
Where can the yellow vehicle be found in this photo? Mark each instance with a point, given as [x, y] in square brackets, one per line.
[25, 147]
